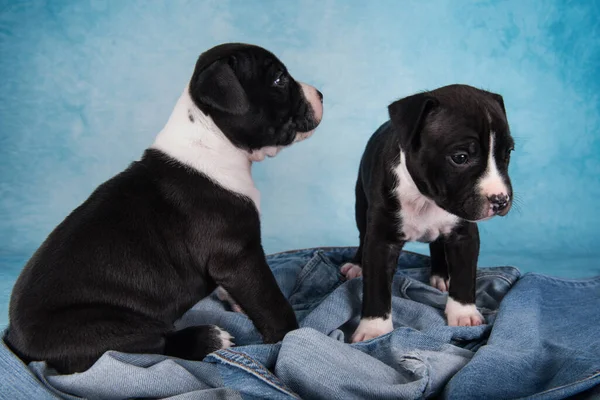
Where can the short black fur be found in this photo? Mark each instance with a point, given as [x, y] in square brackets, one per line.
[429, 128]
[155, 239]
[259, 112]
[123, 266]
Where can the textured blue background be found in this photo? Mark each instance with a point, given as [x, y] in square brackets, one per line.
[86, 85]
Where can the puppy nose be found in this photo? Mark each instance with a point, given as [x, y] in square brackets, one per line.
[498, 201]
[320, 96]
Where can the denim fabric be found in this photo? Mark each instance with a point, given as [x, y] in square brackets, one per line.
[117, 375]
[545, 343]
[17, 381]
[532, 339]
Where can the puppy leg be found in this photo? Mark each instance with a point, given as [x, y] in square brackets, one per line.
[380, 260]
[72, 347]
[353, 269]
[379, 267]
[462, 252]
[247, 278]
[439, 266]
[196, 342]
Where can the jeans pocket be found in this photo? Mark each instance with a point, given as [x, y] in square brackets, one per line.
[420, 292]
[316, 281]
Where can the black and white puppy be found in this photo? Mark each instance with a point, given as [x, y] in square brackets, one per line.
[161, 235]
[439, 166]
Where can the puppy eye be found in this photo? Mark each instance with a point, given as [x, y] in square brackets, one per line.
[280, 80]
[459, 158]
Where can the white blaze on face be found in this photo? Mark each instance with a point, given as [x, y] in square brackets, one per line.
[492, 182]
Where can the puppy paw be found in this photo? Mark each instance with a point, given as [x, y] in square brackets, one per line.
[462, 314]
[351, 271]
[224, 337]
[196, 342]
[223, 295]
[370, 328]
[441, 284]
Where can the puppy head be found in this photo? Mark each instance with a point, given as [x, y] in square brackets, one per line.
[253, 99]
[457, 146]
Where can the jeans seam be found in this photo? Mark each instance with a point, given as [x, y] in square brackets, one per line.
[331, 248]
[261, 372]
[308, 267]
[499, 276]
[404, 287]
[594, 281]
[312, 263]
[594, 375]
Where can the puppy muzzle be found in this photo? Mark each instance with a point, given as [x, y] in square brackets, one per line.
[314, 99]
[496, 205]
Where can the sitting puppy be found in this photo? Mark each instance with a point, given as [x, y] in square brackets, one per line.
[161, 235]
[438, 167]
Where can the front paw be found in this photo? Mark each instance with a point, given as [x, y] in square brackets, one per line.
[223, 339]
[441, 284]
[196, 342]
[370, 328]
[351, 271]
[462, 314]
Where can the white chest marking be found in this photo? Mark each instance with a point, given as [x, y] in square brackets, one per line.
[192, 138]
[421, 219]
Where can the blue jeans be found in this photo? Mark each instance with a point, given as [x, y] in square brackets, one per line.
[541, 339]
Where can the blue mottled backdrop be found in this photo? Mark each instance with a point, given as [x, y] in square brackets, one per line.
[86, 85]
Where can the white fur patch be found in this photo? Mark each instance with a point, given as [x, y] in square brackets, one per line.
[370, 328]
[192, 138]
[201, 145]
[422, 219]
[261, 154]
[226, 338]
[462, 314]
[351, 271]
[491, 182]
[311, 95]
[439, 283]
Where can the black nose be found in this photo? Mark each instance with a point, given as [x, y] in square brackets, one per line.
[320, 96]
[499, 202]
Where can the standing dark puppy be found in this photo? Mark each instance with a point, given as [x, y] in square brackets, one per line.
[438, 167]
[155, 239]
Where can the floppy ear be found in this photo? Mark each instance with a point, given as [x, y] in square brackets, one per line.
[407, 116]
[499, 100]
[219, 88]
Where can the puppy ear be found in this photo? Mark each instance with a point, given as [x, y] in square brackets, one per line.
[499, 100]
[407, 116]
[218, 87]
